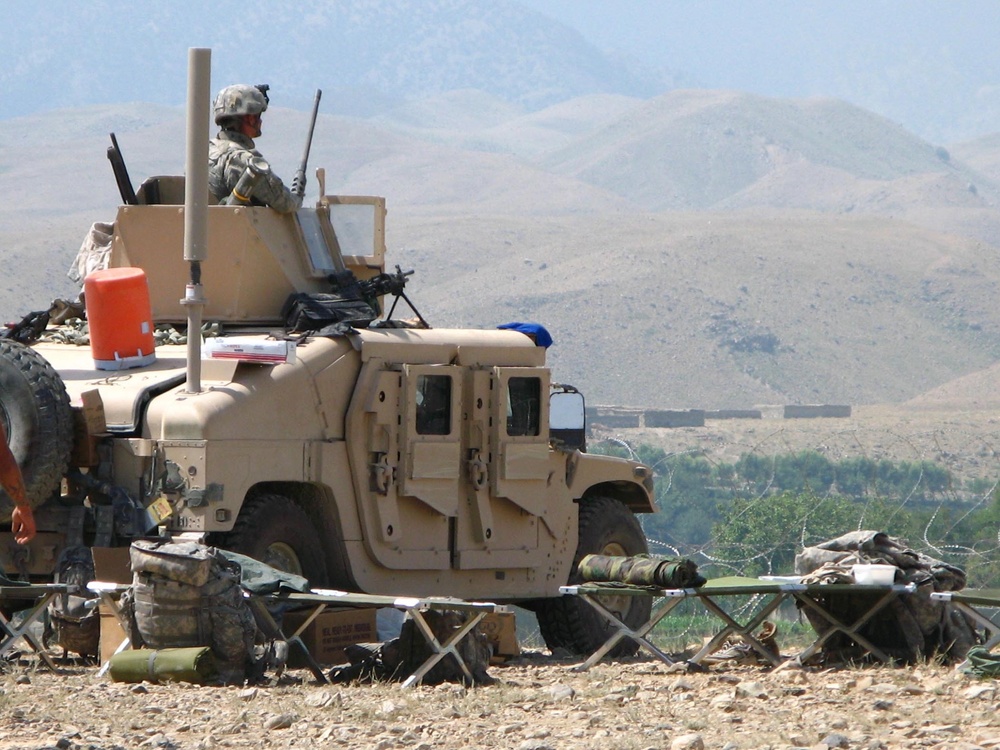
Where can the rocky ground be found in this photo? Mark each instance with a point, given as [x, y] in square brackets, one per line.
[536, 703]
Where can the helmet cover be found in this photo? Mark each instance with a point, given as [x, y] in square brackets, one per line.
[239, 99]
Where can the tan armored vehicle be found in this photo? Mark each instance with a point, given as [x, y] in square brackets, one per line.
[384, 458]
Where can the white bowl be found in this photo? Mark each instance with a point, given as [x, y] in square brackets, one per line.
[874, 575]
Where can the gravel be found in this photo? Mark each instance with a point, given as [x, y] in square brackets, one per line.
[537, 703]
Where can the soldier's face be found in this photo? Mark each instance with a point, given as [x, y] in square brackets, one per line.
[251, 125]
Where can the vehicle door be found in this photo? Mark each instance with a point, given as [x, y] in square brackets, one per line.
[507, 467]
[414, 465]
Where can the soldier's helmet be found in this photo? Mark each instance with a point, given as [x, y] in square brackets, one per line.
[240, 99]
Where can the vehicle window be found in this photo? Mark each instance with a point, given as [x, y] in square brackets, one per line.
[312, 233]
[355, 228]
[524, 399]
[433, 405]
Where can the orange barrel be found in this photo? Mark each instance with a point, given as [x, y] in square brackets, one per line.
[120, 318]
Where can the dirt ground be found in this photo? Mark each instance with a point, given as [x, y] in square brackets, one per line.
[536, 703]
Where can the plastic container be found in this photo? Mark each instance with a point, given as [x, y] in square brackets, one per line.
[120, 318]
[874, 575]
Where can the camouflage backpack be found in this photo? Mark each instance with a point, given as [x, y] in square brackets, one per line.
[74, 622]
[186, 594]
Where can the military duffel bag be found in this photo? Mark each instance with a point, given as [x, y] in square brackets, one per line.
[186, 594]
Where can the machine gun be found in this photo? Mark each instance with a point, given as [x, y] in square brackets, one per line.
[386, 283]
[299, 181]
[377, 286]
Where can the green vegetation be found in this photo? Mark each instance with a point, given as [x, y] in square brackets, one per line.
[750, 517]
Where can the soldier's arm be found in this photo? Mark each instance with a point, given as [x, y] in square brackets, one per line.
[22, 521]
[271, 191]
[10, 472]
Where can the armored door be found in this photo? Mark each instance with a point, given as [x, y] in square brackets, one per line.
[414, 462]
[507, 468]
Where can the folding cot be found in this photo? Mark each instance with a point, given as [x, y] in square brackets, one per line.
[974, 603]
[718, 597]
[317, 600]
[40, 595]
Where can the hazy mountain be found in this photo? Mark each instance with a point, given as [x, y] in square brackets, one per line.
[710, 149]
[367, 55]
[982, 154]
[853, 263]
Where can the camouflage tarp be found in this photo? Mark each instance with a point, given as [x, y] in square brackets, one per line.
[641, 570]
[981, 663]
[911, 627]
[878, 547]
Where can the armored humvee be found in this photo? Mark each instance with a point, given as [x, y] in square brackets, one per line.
[387, 458]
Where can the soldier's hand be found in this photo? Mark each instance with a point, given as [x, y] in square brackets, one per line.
[22, 524]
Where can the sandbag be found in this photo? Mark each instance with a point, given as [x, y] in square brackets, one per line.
[196, 665]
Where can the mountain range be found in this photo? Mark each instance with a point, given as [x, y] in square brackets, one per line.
[367, 55]
[697, 249]
[686, 247]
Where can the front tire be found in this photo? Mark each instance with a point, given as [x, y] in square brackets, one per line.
[606, 528]
[277, 532]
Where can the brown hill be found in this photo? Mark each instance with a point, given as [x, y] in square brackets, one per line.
[722, 309]
[852, 262]
[725, 149]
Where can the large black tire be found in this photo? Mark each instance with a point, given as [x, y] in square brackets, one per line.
[35, 411]
[608, 528]
[276, 531]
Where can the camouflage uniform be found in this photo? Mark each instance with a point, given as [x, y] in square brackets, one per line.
[228, 156]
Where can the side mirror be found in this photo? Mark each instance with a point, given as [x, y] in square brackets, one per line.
[568, 418]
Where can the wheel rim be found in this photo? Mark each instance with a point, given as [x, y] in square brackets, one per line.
[281, 556]
[618, 605]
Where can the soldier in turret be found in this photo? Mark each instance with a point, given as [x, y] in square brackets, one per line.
[232, 152]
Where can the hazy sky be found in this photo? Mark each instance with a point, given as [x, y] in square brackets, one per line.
[780, 45]
[931, 65]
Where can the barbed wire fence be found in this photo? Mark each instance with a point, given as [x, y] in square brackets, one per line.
[969, 458]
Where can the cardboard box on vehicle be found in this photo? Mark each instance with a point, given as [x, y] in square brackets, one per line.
[330, 633]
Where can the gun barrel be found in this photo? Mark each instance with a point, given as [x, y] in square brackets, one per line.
[301, 173]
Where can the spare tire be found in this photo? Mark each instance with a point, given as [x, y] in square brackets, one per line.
[35, 411]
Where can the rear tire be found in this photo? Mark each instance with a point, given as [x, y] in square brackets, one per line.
[36, 415]
[276, 531]
[606, 527]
